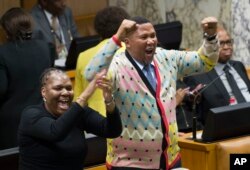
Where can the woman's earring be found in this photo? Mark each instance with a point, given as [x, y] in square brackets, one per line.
[44, 99]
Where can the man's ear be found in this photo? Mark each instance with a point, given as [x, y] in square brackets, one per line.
[126, 41]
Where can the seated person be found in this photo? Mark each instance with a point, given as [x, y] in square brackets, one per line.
[221, 92]
[55, 24]
[51, 134]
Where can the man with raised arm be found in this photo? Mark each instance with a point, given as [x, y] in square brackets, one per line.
[144, 87]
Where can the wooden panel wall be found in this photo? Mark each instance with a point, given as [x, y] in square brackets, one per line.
[84, 12]
[27, 4]
[86, 7]
[6, 4]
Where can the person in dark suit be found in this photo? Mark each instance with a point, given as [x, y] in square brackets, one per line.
[219, 92]
[44, 13]
[22, 60]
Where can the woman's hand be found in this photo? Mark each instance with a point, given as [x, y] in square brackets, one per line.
[106, 85]
[85, 95]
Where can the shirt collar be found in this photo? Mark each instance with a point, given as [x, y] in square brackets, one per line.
[48, 15]
[141, 66]
[220, 66]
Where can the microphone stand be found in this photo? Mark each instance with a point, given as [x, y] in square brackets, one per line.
[194, 115]
[196, 101]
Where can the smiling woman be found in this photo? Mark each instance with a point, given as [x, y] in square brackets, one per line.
[52, 132]
[57, 92]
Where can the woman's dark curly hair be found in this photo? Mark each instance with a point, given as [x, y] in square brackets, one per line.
[17, 24]
[47, 73]
[108, 20]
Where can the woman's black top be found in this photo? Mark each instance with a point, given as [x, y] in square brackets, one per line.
[50, 143]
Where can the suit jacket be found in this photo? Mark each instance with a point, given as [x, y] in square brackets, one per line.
[21, 65]
[42, 28]
[216, 95]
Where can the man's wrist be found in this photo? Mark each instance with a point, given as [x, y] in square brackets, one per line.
[116, 40]
[209, 37]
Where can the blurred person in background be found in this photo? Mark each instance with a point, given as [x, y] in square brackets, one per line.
[22, 61]
[54, 23]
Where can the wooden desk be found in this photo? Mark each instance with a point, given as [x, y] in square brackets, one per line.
[97, 167]
[197, 156]
[211, 156]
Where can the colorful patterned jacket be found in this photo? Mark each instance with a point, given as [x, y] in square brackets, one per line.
[150, 132]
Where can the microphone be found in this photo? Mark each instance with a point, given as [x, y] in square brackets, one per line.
[195, 94]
